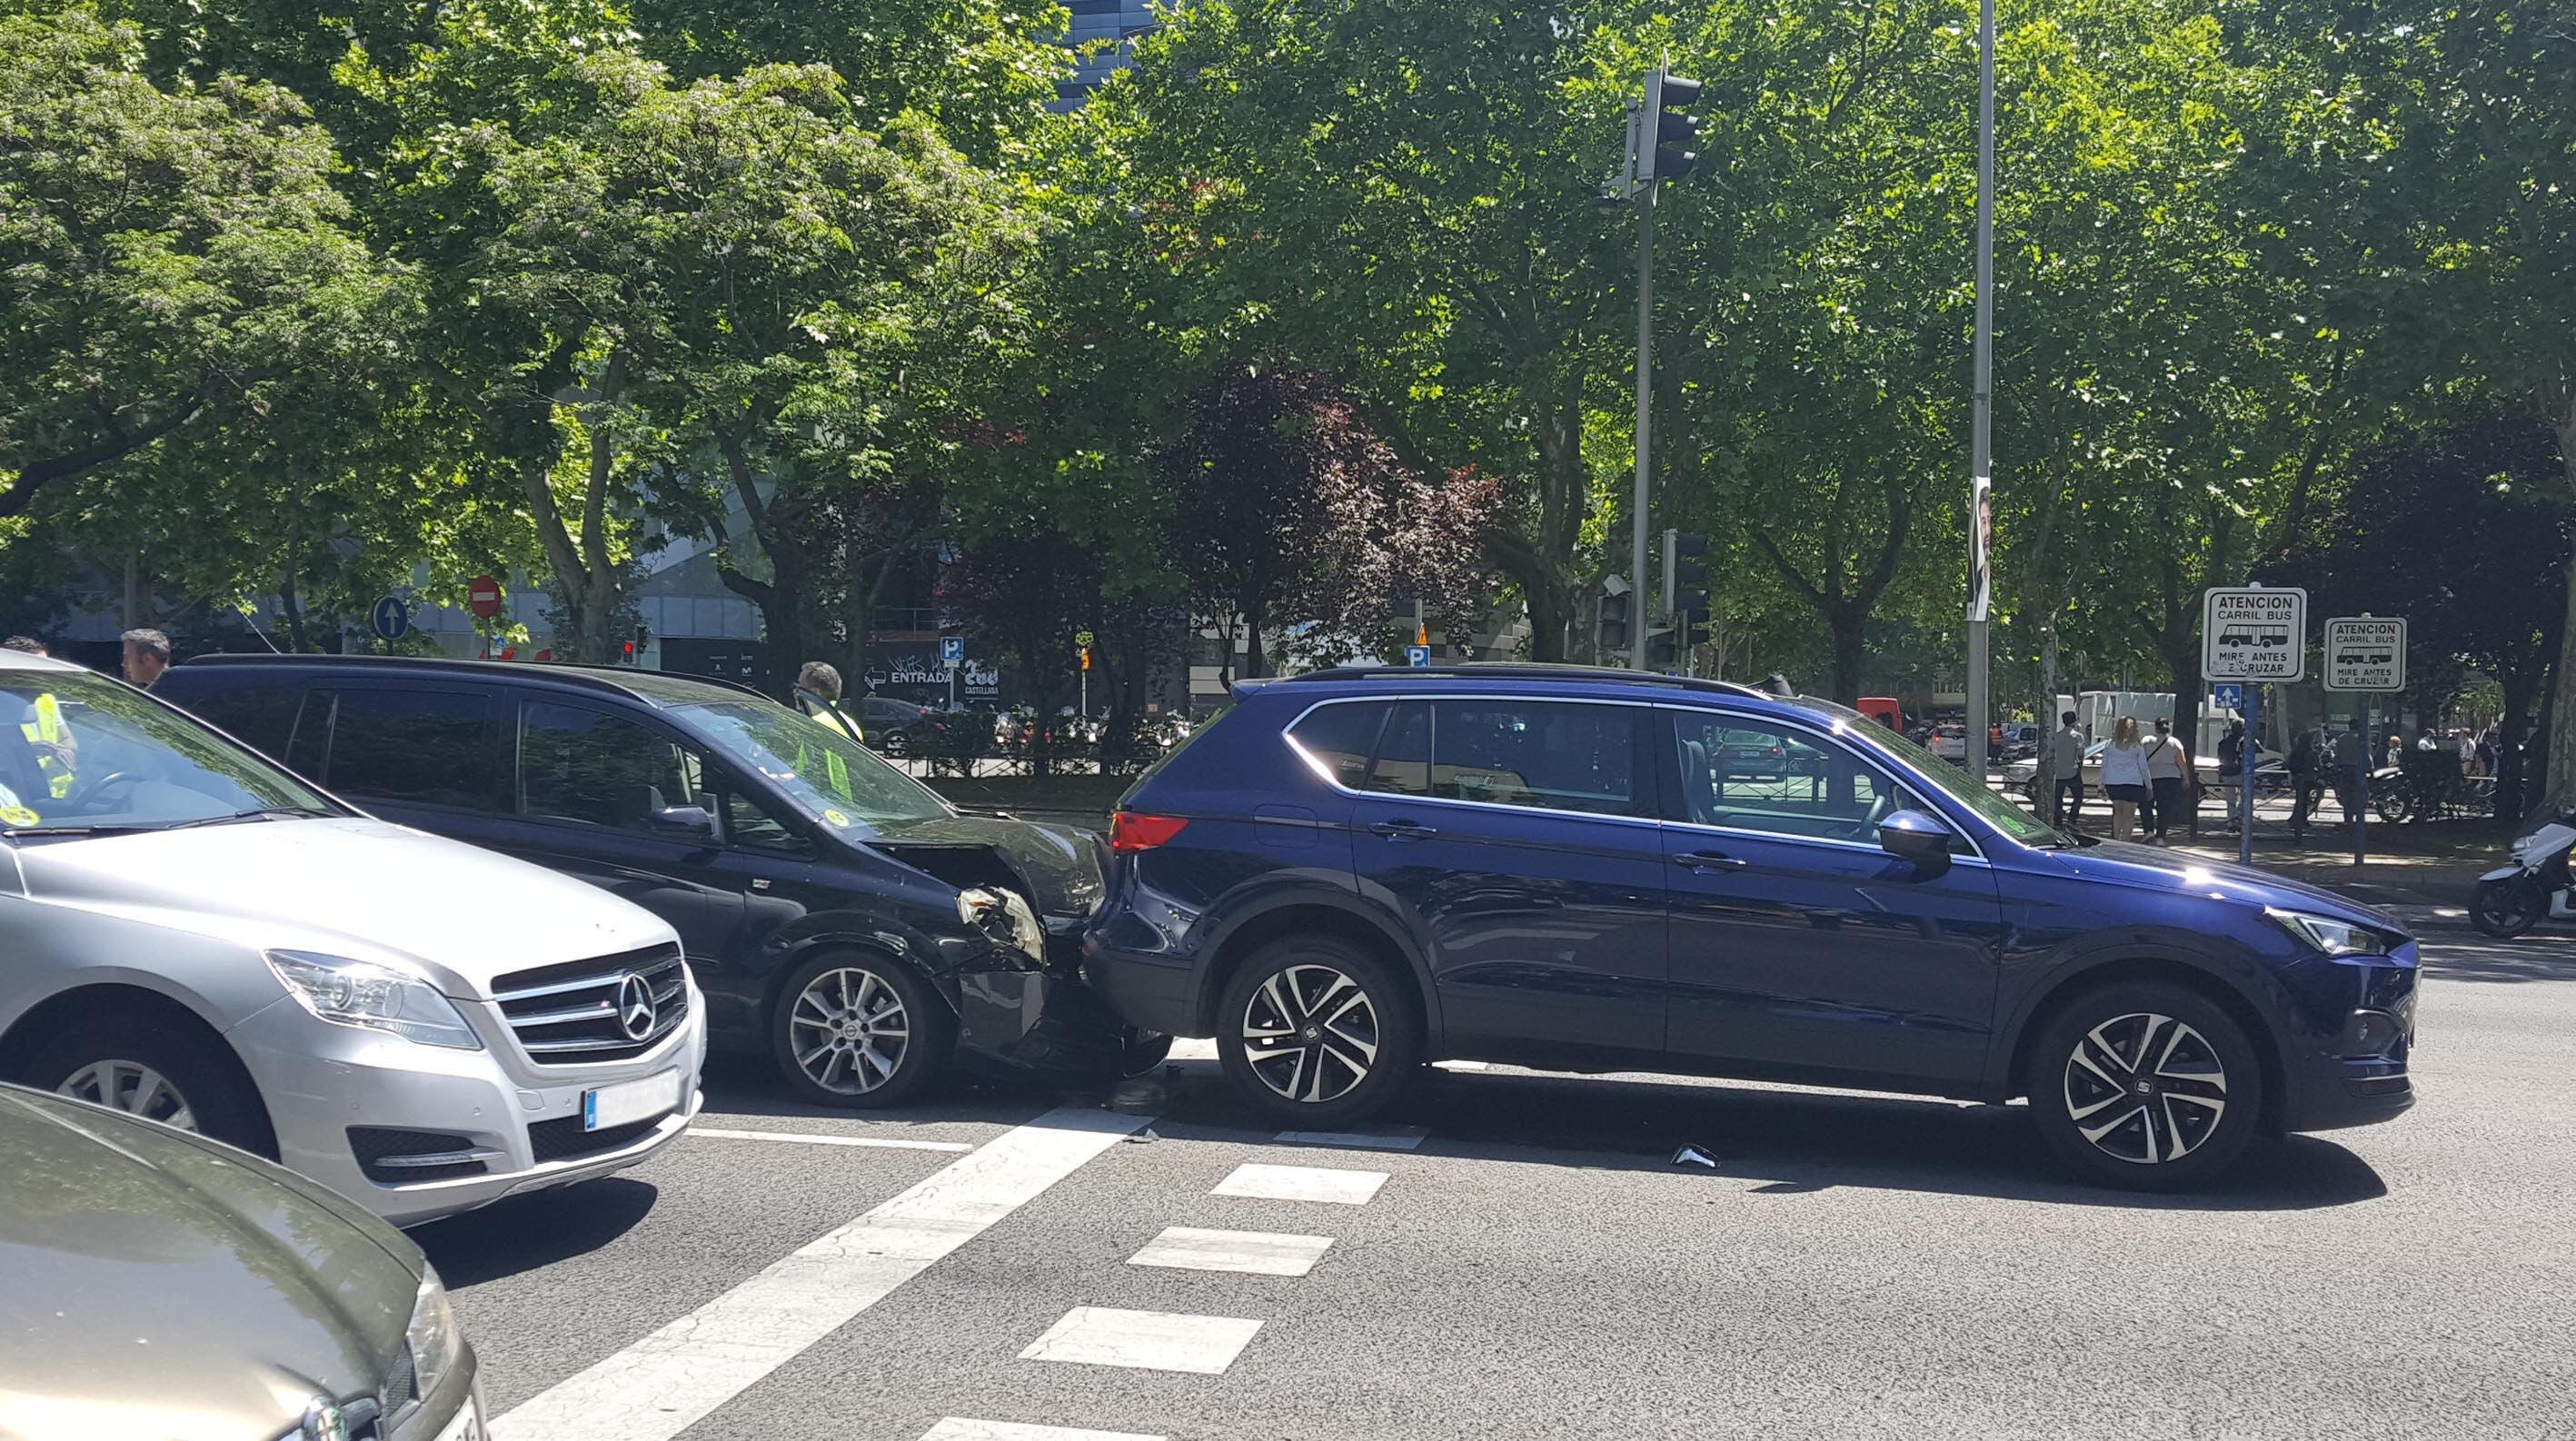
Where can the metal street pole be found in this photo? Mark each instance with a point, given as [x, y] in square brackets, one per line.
[1982, 462]
[1638, 615]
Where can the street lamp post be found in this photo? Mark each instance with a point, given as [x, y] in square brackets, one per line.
[1981, 464]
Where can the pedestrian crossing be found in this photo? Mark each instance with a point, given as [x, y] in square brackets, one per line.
[1194, 1344]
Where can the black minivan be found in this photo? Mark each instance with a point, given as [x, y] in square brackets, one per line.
[839, 915]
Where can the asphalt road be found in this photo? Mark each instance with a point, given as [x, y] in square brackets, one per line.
[1533, 1265]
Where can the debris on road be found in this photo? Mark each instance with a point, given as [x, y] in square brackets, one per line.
[1694, 1156]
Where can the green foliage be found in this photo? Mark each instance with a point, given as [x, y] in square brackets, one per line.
[173, 257]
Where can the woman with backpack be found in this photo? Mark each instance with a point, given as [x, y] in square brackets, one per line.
[2168, 777]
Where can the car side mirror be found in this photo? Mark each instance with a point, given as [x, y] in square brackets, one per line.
[685, 823]
[1918, 838]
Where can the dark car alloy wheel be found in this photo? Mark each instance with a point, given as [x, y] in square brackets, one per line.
[1310, 1033]
[850, 1030]
[2145, 1089]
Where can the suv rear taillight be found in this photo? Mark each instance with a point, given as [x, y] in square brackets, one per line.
[1132, 831]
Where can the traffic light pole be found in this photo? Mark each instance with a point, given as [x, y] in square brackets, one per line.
[1637, 518]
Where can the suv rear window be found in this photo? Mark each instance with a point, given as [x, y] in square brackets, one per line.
[1338, 738]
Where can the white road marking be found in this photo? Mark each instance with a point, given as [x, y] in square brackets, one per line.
[959, 1428]
[1459, 1065]
[1400, 1138]
[1144, 1340]
[667, 1382]
[800, 1138]
[1301, 1183]
[1253, 1253]
[1188, 1049]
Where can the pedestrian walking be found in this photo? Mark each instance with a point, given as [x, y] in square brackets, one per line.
[2124, 777]
[2307, 752]
[2467, 745]
[2487, 753]
[2066, 768]
[2347, 759]
[2168, 779]
[2231, 769]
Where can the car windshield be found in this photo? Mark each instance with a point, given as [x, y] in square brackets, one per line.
[83, 755]
[1952, 781]
[834, 779]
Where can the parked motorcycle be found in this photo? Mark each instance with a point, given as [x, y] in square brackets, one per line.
[2512, 899]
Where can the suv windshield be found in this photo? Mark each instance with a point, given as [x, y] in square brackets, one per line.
[81, 754]
[1952, 780]
[834, 779]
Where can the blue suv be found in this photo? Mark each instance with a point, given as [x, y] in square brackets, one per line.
[1355, 872]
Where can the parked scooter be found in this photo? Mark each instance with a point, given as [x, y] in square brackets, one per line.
[2512, 899]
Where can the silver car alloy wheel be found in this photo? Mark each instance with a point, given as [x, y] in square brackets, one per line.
[849, 1030]
[131, 1087]
[2145, 1089]
[1310, 1033]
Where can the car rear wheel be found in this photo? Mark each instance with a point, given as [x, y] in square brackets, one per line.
[148, 1067]
[1315, 1030]
[860, 1031]
[2146, 1086]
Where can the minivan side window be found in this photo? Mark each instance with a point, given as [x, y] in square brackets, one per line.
[1562, 756]
[1749, 774]
[412, 747]
[591, 768]
[1339, 738]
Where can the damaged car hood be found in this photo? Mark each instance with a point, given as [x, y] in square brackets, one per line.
[1061, 864]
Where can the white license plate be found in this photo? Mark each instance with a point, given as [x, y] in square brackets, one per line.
[630, 1101]
[468, 1425]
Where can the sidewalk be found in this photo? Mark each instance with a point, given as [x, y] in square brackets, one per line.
[2433, 864]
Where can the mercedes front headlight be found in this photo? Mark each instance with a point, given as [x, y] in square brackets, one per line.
[374, 995]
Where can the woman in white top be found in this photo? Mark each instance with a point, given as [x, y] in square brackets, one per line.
[2124, 777]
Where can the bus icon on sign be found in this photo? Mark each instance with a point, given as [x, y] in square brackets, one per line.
[2237, 639]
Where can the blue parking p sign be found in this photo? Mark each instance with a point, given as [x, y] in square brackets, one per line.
[2227, 697]
[952, 649]
[1417, 655]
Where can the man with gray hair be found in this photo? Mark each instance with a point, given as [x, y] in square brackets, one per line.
[147, 655]
[818, 694]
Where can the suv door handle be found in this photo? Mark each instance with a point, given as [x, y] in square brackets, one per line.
[1709, 861]
[1403, 830]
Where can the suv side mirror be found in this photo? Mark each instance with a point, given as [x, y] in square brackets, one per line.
[685, 823]
[1916, 837]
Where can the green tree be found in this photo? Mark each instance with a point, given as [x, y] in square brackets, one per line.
[172, 257]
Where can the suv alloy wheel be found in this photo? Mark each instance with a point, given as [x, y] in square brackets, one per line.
[1315, 1030]
[2145, 1086]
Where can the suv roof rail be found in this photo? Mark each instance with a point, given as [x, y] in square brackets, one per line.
[1523, 670]
[594, 677]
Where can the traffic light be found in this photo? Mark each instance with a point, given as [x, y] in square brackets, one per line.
[1666, 134]
[1685, 575]
[1614, 620]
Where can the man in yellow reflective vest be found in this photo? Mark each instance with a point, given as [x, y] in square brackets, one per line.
[818, 694]
[47, 733]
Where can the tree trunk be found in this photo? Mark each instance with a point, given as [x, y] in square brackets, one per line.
[293, 609]
[2560, 736]
[1847, 624]
[2518, 685]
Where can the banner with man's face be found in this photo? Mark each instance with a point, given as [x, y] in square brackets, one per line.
[1981, 547]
